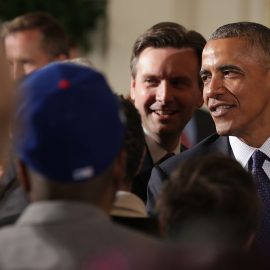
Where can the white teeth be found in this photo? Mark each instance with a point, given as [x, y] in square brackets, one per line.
[163, 112]
[222, 107]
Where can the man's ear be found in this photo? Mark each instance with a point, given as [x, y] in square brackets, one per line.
[132, 88]
[23, 176]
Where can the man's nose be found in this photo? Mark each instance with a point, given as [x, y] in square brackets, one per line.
[164, 93]
[214, 87]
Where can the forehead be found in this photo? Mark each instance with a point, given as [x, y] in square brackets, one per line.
[169, 59]
[23, 38]
[25, 35]
[229, 51]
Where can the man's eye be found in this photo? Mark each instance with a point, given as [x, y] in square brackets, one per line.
[229, 73]
[205, 77]
[151, 81]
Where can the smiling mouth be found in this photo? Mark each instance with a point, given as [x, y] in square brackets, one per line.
[220, 107]
[164, 112]
[220, 110]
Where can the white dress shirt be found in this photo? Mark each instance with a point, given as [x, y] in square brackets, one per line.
[243, 152]
[156, 151]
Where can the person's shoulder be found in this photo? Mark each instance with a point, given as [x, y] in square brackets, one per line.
[212, 144]
[9, 235]
[126, 237]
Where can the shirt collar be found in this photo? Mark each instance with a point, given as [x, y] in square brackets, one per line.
[243, 152]
[155, 149]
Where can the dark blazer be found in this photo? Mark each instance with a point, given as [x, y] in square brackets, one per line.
[204, 126]
[139, 184]
[214, 144]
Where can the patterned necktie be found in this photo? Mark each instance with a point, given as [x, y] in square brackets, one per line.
[263, 184]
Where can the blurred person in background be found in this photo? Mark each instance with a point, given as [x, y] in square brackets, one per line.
[210, 202]
[33, 40]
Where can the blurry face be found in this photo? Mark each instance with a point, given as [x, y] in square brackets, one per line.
[25, 53]
[166, 90]
[236, 88]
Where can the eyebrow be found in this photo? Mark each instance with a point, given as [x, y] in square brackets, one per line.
[224, 68]
[203, 71]
[230, 67]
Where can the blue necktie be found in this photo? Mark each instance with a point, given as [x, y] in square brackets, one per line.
[263, 184]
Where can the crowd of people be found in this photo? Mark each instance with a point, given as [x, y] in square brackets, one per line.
[90, 179]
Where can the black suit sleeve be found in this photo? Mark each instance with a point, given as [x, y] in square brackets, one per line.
[214, 144]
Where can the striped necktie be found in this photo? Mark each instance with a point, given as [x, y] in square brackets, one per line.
[263, 185]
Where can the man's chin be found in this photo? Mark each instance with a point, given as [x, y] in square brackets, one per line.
[168, 131]
[223, 130]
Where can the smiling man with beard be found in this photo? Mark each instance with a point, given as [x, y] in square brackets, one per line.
[166, 89]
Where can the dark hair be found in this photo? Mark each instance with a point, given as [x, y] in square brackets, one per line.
[164, 35]
[256, 34]
[134, 142]
[215, 188]
[54, 39]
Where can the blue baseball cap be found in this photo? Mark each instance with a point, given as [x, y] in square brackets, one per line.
[69, 126]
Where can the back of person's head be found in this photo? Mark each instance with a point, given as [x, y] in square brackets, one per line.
[166, 35]
[69, 129]
[134, 143]
[256, 35]
[211, 198]
[54, 39]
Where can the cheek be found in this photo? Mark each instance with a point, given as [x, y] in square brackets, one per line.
[144, 96]
[29, 68]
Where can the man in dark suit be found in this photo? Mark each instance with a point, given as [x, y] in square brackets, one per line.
[212, 144]
[236, 76]
[166, 90]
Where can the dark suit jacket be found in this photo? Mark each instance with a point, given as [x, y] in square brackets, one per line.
[204, 126]
[139, 184]
[212, 144]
